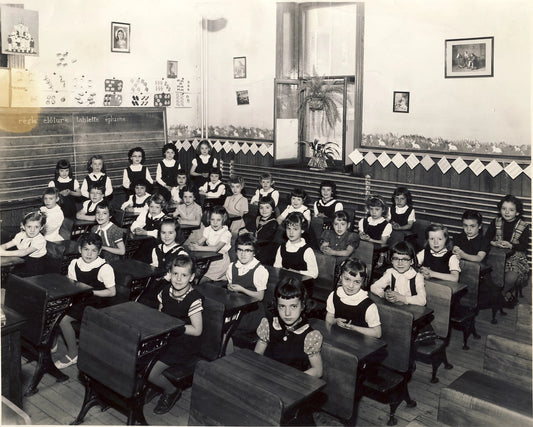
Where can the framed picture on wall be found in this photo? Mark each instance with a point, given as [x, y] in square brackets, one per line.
[239, 67]
[19, 30]
[469, 57]
[172, 69]
[400, 102]
[120, 37]
[242, 97]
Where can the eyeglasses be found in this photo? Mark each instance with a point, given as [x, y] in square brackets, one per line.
[245, 251]
[396, 259]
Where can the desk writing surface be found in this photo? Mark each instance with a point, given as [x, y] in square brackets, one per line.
[456, 287]
[419, 312]
[291, 385]
[203, 256]
[58, 286]
[364, 347]
[137, 269]
[275, 275]
[148, 321]
[7, 261]
[233, 301]
[14, 320]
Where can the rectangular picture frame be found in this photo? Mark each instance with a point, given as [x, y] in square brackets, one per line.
[120, 37]
[172, 69]
[239, 67]
[400, 102]
[472, 57]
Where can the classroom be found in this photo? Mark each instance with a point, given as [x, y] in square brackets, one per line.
[230, 212]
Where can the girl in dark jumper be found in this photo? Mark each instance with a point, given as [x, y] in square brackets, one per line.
[136, 171]
[167, 171]
[68, 188]
[288, 337]
[437, 259]
[180, 300]
[349, 306]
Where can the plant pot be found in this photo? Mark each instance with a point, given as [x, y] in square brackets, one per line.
[316, 104]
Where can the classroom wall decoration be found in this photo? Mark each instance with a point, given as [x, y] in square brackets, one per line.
[444, 163]
[242, 97]
[19, 31]
[120, 37]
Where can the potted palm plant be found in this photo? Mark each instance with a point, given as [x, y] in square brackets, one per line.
[321, 95]
[323, 154]
[319, 111]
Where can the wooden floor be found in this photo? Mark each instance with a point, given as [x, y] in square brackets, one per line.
[59, 403]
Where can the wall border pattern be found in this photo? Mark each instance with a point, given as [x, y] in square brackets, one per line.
[476, 165]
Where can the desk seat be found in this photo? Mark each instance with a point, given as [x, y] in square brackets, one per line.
[479, 399]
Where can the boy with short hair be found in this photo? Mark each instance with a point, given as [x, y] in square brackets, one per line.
[95, 272]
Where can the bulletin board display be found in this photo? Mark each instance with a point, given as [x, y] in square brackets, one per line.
[32, 140]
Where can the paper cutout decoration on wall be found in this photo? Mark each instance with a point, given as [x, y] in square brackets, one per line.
[19, 31]
[112, 100]
[83, 91]
[162, 100]
[113, 85]
[140, 93]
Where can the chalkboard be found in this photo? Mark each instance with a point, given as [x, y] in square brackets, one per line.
[33, 140]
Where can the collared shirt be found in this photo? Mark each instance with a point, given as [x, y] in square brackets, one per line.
[110, 234]
[302, 209]
[140, 222]
[65, 180]
[402, 285]
[106, 275]
[260, 274]
[373, 222]
[371, 315]
[309, 258]
[96, 177]
[401, 211]
[54, 220]
[312, 342]
[453, 263]
[135, 168]
[22, 241]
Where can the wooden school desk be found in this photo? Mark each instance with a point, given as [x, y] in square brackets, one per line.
[44, 300]
[81, 226]
[292, 386]
[235, 304]
[11, 366]
[364, 347]
[7, 263]
[420, 313]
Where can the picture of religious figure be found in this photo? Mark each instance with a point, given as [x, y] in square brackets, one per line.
[239, 67]
[120, 37]
[172, 69]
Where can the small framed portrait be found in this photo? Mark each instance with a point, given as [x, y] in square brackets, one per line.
[400, 102]
[120, 37]
[469, 57]
[172, 69]
[242, 97]
[239, 67]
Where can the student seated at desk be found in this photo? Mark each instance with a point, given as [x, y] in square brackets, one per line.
[375, 228]
[136, 171]
[169, 247]
[296, 255]
[401, 284]
[213, 190]
[248, 276]
[93, 271]
[349, 306]
[471, 245]
[437, 260]
[339, 242]
[298, 196]
[54, 215]
[147, 224]
[189, 213]
[180, 300]
[30, 244]
[112, 236]
[96, 177]
[288, 337]
[88, 209]
[138, 201]
[216, 238]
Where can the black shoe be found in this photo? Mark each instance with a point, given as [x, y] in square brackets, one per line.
[166, 402]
